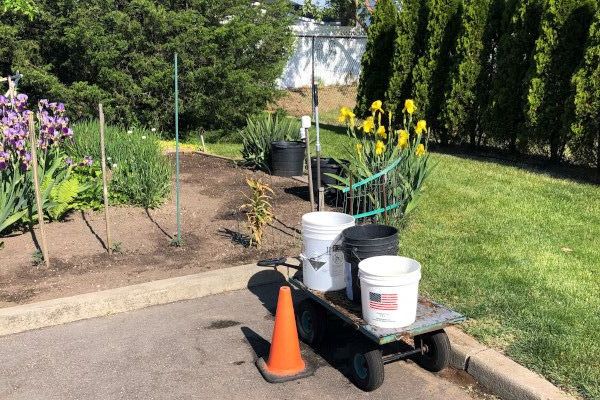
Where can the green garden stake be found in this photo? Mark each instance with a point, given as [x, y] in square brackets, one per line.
[177, 241]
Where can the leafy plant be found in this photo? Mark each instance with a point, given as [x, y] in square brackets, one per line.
[258, 134]
[13, 199]
[37, 257]
[259, 211]
[376, 147]
[141, 174]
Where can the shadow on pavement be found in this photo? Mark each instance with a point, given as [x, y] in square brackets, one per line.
[259, 345]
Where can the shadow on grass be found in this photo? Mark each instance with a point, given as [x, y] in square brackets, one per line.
[531, 163]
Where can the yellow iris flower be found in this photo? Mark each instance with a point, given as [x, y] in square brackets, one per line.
[402, 139]
[421, 126]
[376, 106]
[409, 106]
[381, 132]
[420, 150]
[346, 116]
[379, 147]
[369, 125]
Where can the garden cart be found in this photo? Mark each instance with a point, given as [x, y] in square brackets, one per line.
[424, 340]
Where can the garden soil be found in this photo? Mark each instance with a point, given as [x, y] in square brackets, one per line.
[213, 231]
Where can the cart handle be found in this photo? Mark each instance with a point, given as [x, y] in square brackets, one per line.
[275, 262]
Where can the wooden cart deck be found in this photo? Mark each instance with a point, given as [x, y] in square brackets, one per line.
[430, 316]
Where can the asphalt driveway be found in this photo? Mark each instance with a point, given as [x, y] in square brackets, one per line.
[197, 349]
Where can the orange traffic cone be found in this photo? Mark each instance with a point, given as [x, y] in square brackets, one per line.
[285, 361]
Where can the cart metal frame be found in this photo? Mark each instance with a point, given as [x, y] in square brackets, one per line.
[430, 346]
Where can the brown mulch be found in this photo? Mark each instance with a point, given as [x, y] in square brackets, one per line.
[211, 196]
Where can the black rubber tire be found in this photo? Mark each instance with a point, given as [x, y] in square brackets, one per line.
[311, 321]
[371, 373]
[437, 354]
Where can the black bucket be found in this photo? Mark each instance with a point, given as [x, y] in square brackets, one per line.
[328, 166]
[287, 158]
[362, 242]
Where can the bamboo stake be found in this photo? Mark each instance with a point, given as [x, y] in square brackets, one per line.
[104, 180]
[36, 185]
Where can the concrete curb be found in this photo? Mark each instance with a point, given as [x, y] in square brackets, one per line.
[499, 374]
[99, 304]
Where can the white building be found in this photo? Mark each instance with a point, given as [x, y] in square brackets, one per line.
[337, 54]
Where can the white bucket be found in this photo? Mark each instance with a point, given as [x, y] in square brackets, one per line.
[322, 267]
[389, 287]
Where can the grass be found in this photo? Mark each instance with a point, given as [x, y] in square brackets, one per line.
[518, 252]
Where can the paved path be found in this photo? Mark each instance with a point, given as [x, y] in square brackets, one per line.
[200, 349]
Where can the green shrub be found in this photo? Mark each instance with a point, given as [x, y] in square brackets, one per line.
[558, 52]
[469, 75]
[408, 47]
[258, 134]
[121, 53]
[430, 75]
[141, 174]
[376, 63]
[586, 127]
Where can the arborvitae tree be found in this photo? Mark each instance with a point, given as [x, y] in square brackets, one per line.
[558, 51]
[586, 128]
[409, 46]
[431, 72]
[505, 119]
[377, 59]
[459, 110]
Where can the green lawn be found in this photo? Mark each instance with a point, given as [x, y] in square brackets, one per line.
[517, 252]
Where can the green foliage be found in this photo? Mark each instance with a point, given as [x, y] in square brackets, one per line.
[121, 53]
[505, 120]
[258, 134]
[376, 63]
[375, 147]
[586, 126]
[13, 198]
[408, 47]
[25, 7]
[430, 75]
[259, 211]
[460, 107]
[90, 180]
[63, 197]
[558, 51]
[141, 174]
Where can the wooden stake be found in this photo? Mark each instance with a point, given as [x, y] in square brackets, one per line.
[202, 140]
[104, 183]
[36, 185]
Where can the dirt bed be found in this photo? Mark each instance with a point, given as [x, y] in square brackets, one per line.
[213, 225]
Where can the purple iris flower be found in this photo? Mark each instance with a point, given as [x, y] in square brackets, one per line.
[87, 161]
[69, 161]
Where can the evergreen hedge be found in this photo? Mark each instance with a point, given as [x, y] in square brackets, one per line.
[586, 124]
[376, 64]
[520, 75]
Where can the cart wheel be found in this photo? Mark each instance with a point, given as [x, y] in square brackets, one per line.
[311, 320]
[367, 369]
[436, 355]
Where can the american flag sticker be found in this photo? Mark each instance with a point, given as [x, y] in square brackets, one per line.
[381, 301]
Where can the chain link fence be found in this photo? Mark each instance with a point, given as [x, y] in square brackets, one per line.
[332, 62]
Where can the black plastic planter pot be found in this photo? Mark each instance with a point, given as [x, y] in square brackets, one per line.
[287, 158]
[328, 166]
[364, 241]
